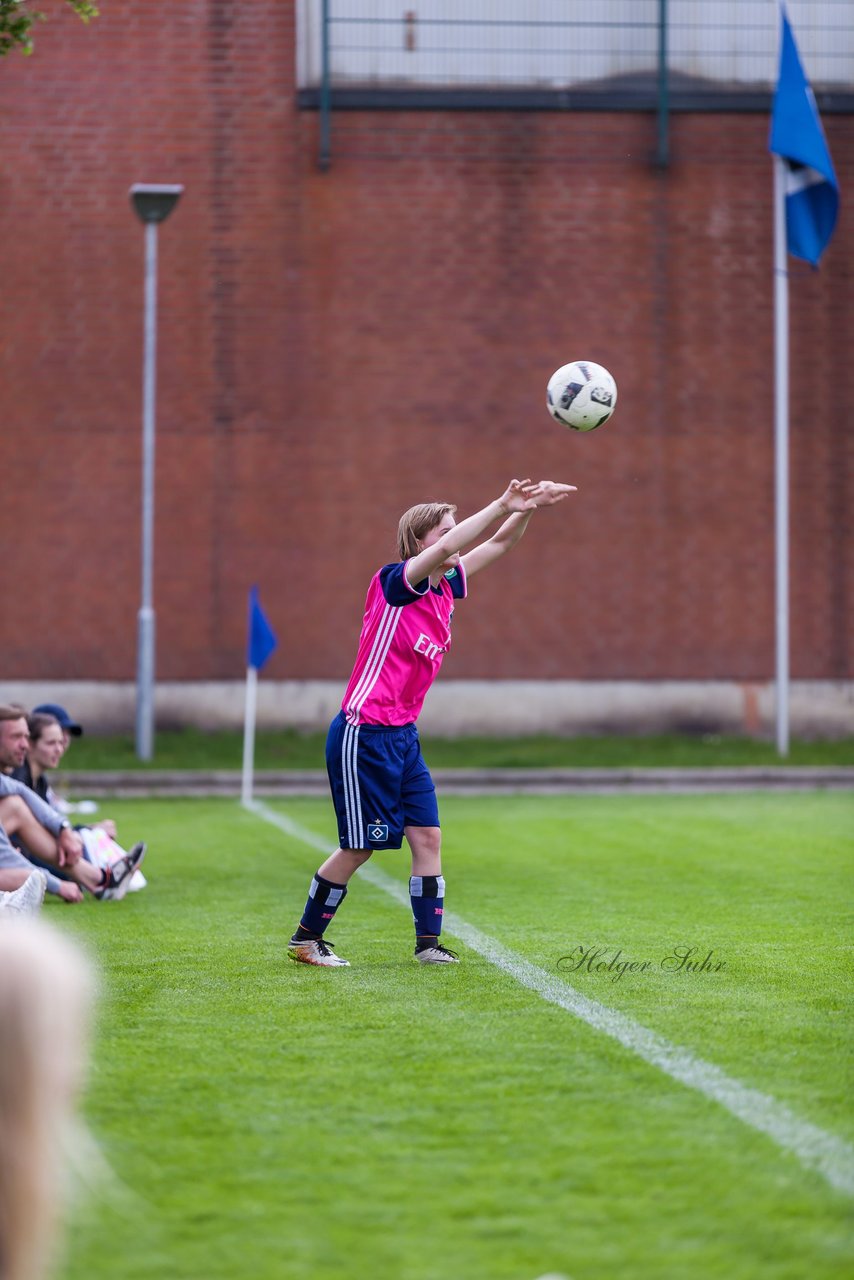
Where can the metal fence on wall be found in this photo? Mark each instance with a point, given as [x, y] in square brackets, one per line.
[567, 55]
[610, 50]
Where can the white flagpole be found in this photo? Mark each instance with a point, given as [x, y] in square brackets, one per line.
[249, 735]
[781, 453]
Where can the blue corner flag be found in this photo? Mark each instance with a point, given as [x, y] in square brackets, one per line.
[262, 637]
[812, 191]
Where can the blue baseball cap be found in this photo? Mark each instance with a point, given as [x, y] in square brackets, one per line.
[59, 713]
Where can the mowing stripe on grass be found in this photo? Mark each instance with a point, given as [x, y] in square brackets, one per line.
[814, 1147]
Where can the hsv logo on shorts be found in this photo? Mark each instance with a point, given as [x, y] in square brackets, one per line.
[377, 831]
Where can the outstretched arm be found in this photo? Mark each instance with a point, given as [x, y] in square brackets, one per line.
[498, 545]
[544, 494]
[514, 499]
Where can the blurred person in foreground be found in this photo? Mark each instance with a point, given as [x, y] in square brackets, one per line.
[47, 990]
[44, 833]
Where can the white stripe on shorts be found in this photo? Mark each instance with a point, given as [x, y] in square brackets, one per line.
[352, 794]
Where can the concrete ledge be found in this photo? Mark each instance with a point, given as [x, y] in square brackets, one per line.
[472, 782]
[456, 708]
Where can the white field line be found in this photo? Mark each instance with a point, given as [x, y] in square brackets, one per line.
[830, 1156]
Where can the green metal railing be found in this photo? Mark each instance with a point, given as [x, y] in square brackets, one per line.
[656, 56]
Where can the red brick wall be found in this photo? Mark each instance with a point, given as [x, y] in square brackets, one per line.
[335, 347]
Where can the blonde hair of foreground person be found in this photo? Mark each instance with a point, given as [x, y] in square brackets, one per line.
[47, 989]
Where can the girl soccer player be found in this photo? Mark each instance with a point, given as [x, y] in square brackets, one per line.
[381, 788]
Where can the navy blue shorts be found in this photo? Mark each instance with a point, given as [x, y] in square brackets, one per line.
[380, 783]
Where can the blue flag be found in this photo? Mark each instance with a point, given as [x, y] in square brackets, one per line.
[812, 191]
[262, 637]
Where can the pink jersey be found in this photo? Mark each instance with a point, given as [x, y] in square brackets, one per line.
[406, 633]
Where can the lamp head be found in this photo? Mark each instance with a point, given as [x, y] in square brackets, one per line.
[153, 201]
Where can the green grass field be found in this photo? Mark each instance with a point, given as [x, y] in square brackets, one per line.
[270, 1121]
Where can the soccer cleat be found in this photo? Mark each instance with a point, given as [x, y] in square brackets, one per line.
[435, 953]
[27, 899]
[118, 875]
[315, 951]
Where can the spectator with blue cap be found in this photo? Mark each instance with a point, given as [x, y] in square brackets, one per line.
[70, 728]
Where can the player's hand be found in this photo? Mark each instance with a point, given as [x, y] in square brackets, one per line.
[545, 493]
[516, 497]
[70, 892]
[108, 826]
[70, 847]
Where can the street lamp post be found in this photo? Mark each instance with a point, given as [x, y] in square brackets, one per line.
[153, 202]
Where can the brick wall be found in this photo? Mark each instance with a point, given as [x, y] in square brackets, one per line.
[336, 346]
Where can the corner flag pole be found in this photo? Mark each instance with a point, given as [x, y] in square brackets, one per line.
[806, 203]
[781, 454]
[261, 643]
[249, 735]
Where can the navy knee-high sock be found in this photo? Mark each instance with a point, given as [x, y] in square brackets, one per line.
[324, 899]
[427, 895]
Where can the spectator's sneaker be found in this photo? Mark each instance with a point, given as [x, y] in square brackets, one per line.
[315, 951]
[435, 953]
[118, 875]
[28, 898]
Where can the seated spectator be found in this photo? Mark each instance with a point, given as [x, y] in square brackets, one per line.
[50, 734]
[70, 729]
[16, 871]
[44, 833]
[47, 992]
[45, 749]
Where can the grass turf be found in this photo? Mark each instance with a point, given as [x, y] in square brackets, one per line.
[288, 749]
[271, 1121]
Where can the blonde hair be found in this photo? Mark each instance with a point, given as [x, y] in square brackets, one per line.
[417, 521]
[46, 1000]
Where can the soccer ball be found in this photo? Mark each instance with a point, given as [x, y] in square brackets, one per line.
[581, 395]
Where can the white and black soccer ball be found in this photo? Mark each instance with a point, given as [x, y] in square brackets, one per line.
[582, 395]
